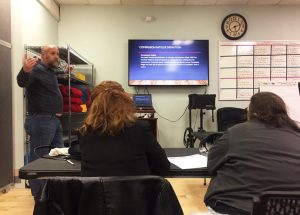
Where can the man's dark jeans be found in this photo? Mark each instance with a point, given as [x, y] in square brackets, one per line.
[44, 130]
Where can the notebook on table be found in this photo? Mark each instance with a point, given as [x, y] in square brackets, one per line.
[143, 101]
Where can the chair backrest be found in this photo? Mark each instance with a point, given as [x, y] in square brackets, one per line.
[229, 116]
[277, 203]
[134, 195]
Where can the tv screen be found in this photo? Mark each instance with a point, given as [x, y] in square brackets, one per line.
[168, 62]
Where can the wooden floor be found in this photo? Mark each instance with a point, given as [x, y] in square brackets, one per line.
[16, 202]
[189, 192]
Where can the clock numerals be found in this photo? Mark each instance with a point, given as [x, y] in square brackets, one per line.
[234, 26]
[235, 34]
[233, 18]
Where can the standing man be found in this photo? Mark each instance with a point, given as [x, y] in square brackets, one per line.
[45, 104]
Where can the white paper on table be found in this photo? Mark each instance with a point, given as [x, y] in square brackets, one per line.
[189, 162]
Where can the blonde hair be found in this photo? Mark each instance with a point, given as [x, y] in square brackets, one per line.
[111, 110]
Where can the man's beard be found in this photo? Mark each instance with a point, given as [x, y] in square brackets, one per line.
[53, 64]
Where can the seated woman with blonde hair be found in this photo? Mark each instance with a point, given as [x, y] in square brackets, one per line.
[113, 142]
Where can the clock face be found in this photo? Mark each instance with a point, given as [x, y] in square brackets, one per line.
[234, 26]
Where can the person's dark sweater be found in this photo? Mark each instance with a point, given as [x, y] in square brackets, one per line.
[42, 90]
[133, 152]
[251, 158]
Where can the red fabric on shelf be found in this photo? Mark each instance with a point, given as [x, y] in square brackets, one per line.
[74, 108]
[75, 93]
[88, 103]
[76, 101]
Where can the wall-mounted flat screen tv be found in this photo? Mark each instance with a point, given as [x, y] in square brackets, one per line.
[168, 62]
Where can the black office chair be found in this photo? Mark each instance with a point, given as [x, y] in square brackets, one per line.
[229, 116]
[134, 195]
[277, 203]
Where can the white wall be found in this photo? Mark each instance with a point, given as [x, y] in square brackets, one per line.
[100, 33]
[31, 25]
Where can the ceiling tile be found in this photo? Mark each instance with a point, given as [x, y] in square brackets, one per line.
[200, 2]
[73, 1]
[181, 2]
[289, 2]
[105, 2]
[168, 2]
[232, 2]
[136, 2]
[264, 2]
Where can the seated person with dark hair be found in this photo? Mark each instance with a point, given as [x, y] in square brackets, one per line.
[259, 155]
[113, 142]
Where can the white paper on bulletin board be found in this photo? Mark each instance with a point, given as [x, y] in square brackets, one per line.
[289, 92]
[243, 65]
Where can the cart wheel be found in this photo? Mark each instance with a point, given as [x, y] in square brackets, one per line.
[186, 138]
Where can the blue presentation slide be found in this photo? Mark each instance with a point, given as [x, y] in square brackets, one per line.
[168, 60]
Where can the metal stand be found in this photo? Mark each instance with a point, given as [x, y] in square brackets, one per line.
[191, 138]
[202, 102]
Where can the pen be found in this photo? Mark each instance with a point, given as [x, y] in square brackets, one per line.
[70, 162]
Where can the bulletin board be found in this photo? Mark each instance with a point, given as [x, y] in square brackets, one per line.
[244, 65]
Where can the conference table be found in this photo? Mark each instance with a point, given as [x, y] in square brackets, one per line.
[50, 167]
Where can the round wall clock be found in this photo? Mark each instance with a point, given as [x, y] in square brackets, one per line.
[234, 26]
